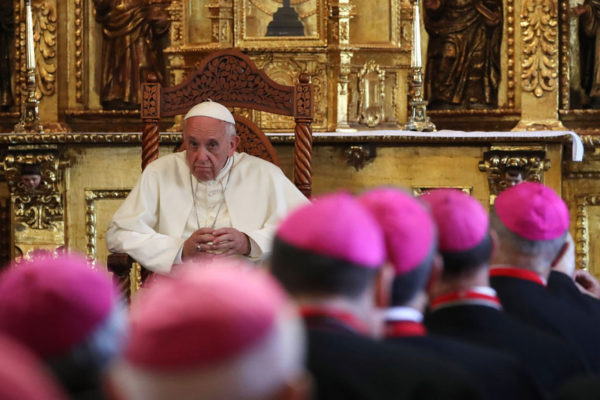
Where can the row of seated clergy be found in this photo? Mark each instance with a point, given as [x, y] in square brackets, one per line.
[207, 199]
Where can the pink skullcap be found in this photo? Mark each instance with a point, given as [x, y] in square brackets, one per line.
[22, 375]
[461, 220]
[533, 211]
[407, 226]
[338, 226]
[54, 304]
[201, 316]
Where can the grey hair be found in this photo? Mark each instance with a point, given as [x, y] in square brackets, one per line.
[230, 130]
[544, 250]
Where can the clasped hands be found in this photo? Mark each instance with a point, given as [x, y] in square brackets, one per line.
[223, 241]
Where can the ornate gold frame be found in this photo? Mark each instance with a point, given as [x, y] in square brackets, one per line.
[582, 230]
[419, 190]
[285, 42]
[91, 195]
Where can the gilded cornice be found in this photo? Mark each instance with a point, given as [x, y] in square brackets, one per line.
[175, 137]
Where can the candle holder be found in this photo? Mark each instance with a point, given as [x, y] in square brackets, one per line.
[30, 116]
[418, 119]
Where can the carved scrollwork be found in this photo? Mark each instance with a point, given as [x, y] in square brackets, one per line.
[360, 155]
[539, 25]
[371, 89]
[254, 142]
[44, 28]
[508, 167]
[303, 107]
[228, 79]
[151, 103]
[39, 207]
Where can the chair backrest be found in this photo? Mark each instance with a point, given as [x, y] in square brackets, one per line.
[232, 79]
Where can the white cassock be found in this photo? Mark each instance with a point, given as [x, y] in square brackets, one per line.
[168, 204]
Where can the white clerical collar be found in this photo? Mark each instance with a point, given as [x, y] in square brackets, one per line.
[403, 314]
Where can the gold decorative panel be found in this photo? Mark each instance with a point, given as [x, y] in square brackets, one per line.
[376, 27]
[92, 196]
[35, 177]
[539, 25]
[588, 219]
[285, 70]
[508, 166]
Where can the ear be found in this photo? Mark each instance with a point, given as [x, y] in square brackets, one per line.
[495, 244]
[233, 143]
[111, 392]
[301, 388]
[560, 255]
[383, 286]
[436, 272]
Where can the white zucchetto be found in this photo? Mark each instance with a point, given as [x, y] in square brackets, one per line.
[210, 109]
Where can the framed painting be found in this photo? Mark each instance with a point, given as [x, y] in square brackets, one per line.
[280, 23]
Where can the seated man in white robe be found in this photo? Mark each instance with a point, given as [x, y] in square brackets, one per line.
[207, 199]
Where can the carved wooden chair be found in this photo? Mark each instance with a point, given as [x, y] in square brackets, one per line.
[231, 78]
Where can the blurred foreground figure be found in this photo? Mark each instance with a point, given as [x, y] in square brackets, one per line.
[411, 242]
[329, 256]
[464, 306]
[68, 314]
[22, 377]
[218, 331]
[532, 224]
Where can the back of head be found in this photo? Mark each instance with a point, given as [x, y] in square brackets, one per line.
[463, 231]
[532, 223]
[410, 239]
[67, 313]
[218, 331]
[23, 376]
[331, 247]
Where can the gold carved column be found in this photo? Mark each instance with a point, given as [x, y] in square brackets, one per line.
[539, 78]
[37, 208]
[341, 12]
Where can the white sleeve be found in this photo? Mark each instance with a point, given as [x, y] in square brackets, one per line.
[132, 231]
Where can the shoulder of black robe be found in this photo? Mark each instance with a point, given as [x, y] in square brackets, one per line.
[348, 366]
[534, 305]
[501, 376]
[549, 359]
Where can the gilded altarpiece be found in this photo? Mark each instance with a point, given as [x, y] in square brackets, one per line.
[357, 53]
[37, 211]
